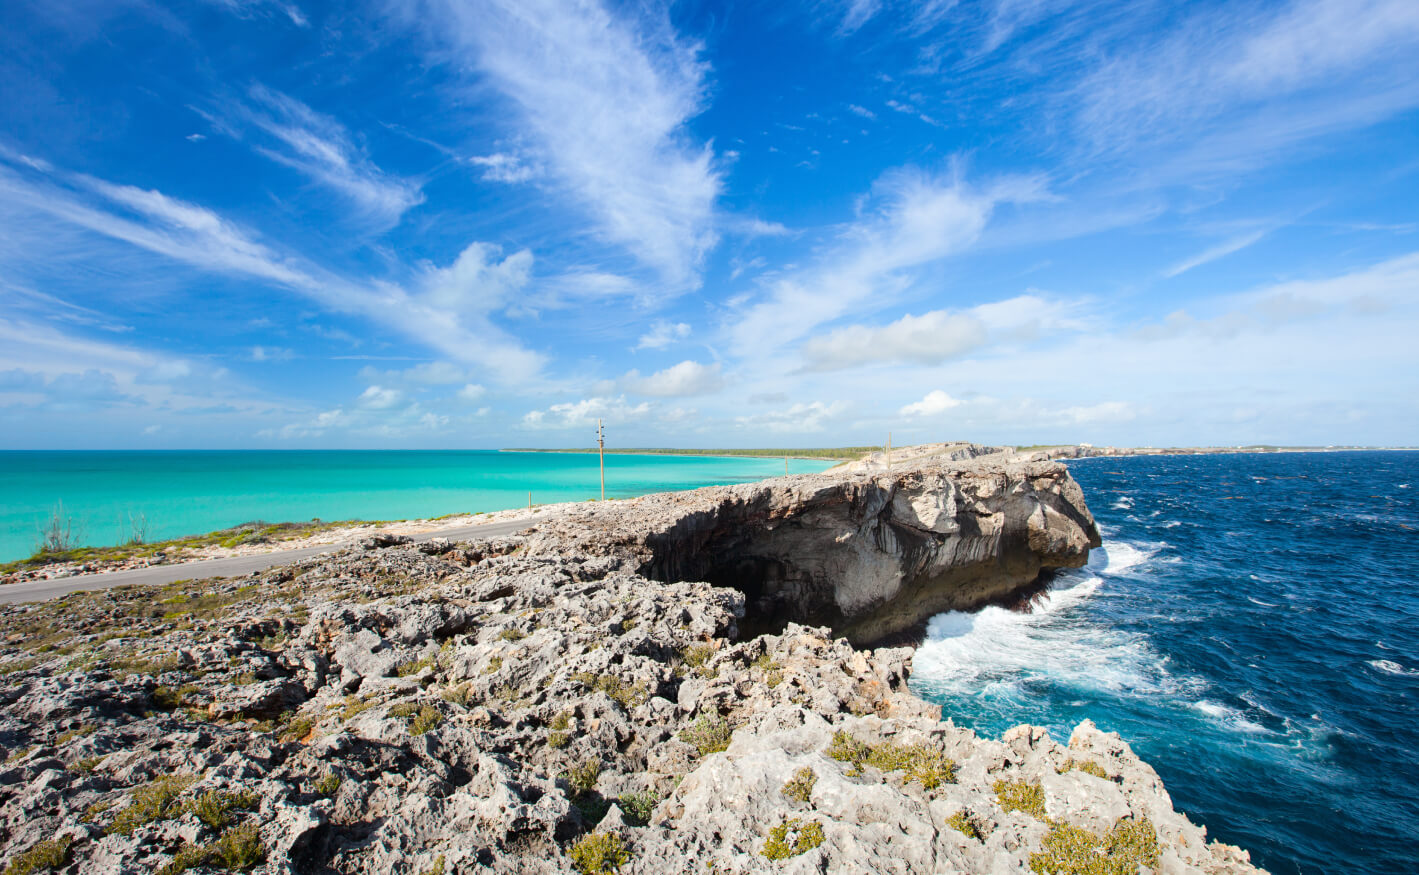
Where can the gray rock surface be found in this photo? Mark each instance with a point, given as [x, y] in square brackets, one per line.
[507, 706]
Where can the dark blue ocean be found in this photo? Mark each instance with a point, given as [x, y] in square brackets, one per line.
[1251, 627]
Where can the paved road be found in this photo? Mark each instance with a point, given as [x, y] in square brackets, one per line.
[39, 590]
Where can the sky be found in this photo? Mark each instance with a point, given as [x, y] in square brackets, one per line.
[278, 224]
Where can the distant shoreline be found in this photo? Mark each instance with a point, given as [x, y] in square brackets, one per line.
[839, 454]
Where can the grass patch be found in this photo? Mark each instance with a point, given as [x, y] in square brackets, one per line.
[966, 825]
[791, 838]
[1088, 767]
[511, 634]
[707, 735]
[799, 788]
[918, 763]
[581, 778]
[697, 657]
[628, 695]
[328, 785]
[215, 807]
[1021, 796]
[238, 850]
[413, 666]
[638, 807]
[51, 854]
[151, 802]
[427, 718]
[599, 852]
[1072, 850]
[559, 736]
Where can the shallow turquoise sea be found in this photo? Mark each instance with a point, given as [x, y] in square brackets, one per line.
[189, 492]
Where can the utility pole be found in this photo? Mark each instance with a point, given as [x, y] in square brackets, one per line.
[601, 452]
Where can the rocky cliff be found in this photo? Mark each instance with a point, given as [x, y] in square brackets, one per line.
[570, 700]
[868, 553]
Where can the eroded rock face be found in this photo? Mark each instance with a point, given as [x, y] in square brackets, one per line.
[871, 554]
[501, 706]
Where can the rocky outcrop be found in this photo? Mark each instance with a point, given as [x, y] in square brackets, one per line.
[870, 554]
[537, 705]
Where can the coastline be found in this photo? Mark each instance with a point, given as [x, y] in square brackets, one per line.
[518, 703]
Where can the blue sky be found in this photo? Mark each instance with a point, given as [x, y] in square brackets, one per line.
[276, 223]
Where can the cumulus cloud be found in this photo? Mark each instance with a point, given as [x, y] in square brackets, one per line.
[928, 339]
[685, 379]
[585, 413]
[380, 398]
[934, 403]
[811, 417]
[662, 334]
[472, 392]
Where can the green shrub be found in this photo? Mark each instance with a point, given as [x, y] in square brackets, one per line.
[437, 868]
[215, 807]
[239, 848]
[511, 634]
[638, 807]
[708, 735]
[85, 765]
[1088, 767]
[413, 666]
[697, 657]
[80, 732]
[918, 763]
[427, 718]
[151, 802]
[791, 838]
[187, 857]
[1072, 850]
[328, 784]
[1021, 796]
[599, 852]
[629, 696]
[494, 665]
[965, 825]
[800, 787]
[582, 776]
[51, 854]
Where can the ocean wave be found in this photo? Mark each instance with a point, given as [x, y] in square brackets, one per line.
[1120, 557]
[1230, 718]
[1259, 601]
[1389, 666]
[1123, 503]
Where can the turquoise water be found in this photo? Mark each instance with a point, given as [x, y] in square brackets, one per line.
[189, 492]
[1251, 626]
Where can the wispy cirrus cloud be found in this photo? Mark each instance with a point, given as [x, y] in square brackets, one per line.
[447, 309]
[919, 220]
[321, 148]
[604, 98]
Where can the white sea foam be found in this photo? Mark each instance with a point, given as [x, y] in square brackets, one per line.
[1260, 602]
[1389, 666]
[1119, 557]
[1170, 524]
[1123, 503]
[1001, 656]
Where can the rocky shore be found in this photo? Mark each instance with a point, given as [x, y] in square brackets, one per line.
[690, 682]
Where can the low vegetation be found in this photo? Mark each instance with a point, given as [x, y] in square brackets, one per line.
[791, 838]
[599, 852]
[707, 735]
[1073, 850]
[46, 855]
[799, 788]
[1025, 796]
[918, 763]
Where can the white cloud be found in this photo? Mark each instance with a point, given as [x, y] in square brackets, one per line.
[502, 167]
[1221, 250]
[472, 392]
[320, 147]
[1234, 83]
[662, 334]
[380, 398]
[271, 354]
[584, 413]
[682, 380]
[798, 418]
[920, 220]
[928, 339]
[605, 100]
[934, 403]
[862, 111]
[425, 374]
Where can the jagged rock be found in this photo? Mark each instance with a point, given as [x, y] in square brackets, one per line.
[382, 709]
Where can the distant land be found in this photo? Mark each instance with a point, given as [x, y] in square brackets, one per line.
[845, 453]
